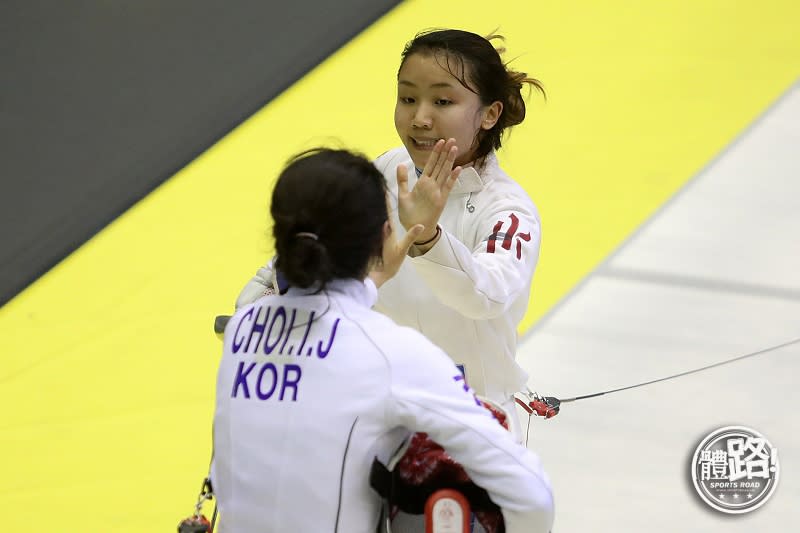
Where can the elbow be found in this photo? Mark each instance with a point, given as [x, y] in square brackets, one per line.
[534, 510]
[482, 309]
[486, 303]
[535, 514]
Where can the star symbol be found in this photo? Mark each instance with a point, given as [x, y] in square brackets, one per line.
[736, 496]
[749, 496]
[722, 496]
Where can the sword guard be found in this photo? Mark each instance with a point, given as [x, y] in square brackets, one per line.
[195, 524]
[544, 406]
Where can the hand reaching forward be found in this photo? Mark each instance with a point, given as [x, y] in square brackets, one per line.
[425, 202]
[394, 253]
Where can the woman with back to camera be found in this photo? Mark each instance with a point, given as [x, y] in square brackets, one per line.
[313, 384]
[467, 285]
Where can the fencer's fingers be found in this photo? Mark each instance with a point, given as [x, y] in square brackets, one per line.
[451, 145]
[440, 159]
[446, 169]
[444, 163]
[430, 164]
[402, 180]
[452, 179]
[409, 238]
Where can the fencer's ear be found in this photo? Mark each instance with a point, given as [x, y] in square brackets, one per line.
[387, 235]
[491, 115]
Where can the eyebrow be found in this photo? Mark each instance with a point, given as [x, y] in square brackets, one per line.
[433, 85]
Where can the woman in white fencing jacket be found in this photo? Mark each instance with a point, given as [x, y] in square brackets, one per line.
[467, 285]
[313, 385]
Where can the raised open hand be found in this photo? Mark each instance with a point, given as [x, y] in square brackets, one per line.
[394, 252]
[425, 202]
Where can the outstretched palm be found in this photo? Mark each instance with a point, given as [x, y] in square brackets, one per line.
[425, 202]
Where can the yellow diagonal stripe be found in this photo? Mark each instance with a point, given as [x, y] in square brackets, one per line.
[109, 360]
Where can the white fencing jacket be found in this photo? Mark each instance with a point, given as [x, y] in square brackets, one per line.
[311, 388]
[470, 291]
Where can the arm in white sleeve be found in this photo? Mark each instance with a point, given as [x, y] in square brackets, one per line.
[484, 281]
[430, 398]
[261, 284]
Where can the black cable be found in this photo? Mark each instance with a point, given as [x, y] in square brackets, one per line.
[528, 431]
[765, 350]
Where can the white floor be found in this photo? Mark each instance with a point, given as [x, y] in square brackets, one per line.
[713, 275]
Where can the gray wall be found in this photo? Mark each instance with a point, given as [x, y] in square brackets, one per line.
[100, 102]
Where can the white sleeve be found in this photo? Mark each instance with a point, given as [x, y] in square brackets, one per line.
[432, 399]
[483, 282]
[387, 160]
[260, 285]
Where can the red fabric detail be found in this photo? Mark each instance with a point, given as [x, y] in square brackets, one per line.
[511, 231]
[493, 237]
[522, 237]
[425, 463]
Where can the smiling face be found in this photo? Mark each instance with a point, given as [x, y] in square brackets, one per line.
[432, 104]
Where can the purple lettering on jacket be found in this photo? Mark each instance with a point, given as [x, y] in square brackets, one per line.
[291, 381]
[241, 379]
[305, 335]
[322, 354]
[262, 395]
[288, 332]
[237, 343]
[259, 327]
[279, 312]
[466, 388]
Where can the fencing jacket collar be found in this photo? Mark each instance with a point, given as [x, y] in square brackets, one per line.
[470, 180]
[363, 292]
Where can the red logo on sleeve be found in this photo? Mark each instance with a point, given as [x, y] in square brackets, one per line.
[507, 236]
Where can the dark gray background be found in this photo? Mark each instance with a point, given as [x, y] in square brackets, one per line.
[102, 101]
